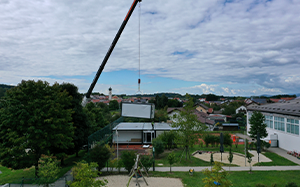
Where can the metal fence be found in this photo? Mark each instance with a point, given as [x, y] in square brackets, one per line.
[103, 135]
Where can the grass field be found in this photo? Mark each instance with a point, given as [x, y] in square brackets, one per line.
[11, 176]
[239, 179]
[162, 159]
[276, 160]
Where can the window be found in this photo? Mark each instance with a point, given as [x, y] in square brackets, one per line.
[292, 126]
[269, 121]
[279, 123]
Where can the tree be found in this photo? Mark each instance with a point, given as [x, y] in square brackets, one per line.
[147, 161]
[128, 159]
[212, 97]
[171, 159]
[188, 125]
[79, 119]
[230, 157]
[113, 105]
[36, 119]
[100, 154]
[159, 146]
[48, 169]
[258, 125]
[216, 175]
[85, 175]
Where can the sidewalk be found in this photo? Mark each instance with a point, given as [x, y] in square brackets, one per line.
[277, 150]
[254, 168]
[283, 153]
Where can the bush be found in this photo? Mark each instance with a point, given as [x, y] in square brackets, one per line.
[128, 159]
[216, 140]
[158, 146]
[266, 145]
[260, 185]
[227, 140]
[291, 184]
[100, 154]
[147, 162]
[168, 138]
[208, 139]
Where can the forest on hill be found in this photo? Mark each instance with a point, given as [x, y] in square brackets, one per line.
[3, 88]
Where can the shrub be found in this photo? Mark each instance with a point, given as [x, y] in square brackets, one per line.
[168, 138]
[216, 140]
[158, 146]
[260, 185]
[128, 159]
[147, 162]
[291, 184]
[201, 144]
[85, 175]
[227, 140]
[208, 139]
[266, 145]
[100, 154]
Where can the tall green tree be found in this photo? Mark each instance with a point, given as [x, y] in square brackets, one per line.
[100, 154]
[113, 105]
[36, 119]
[258, 125]
[79, 118]
[189, 126]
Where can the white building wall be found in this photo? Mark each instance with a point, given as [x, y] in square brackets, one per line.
[126, 136]
[286, 141]
[159, 133]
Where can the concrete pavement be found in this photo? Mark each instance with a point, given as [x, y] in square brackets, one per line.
[196, 168]
[277, 150]
[283, 153]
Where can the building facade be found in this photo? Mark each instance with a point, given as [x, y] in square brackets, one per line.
[282, 119]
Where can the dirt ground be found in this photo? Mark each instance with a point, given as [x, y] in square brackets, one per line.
[237, 159]
[122, 180]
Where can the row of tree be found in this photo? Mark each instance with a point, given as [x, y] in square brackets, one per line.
[37, 118]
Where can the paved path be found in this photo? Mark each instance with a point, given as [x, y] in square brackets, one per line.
[254, 168]
[276, 150]
[283, 153]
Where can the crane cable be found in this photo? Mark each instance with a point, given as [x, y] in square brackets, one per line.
[139, 80]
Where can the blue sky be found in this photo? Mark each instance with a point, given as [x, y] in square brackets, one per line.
[245, 48]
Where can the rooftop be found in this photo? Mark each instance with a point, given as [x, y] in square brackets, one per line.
[291, 107]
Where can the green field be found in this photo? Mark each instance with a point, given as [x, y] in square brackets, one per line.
[239, 179]
[13, 176]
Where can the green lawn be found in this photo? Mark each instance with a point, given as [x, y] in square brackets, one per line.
[11, 176]
[162, 159]
[240, 179]
[276, 160]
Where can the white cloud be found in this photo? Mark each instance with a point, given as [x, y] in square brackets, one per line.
[244, 42]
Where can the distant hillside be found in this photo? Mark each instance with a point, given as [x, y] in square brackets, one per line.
[3, 88]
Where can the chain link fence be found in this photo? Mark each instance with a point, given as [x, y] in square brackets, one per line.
[103, 135]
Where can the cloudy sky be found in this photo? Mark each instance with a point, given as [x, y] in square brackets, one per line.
[225, 47]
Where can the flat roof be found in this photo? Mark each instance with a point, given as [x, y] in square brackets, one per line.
[144, 126]
[291, 107]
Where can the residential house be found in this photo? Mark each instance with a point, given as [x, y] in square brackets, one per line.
[201, 107]
[241, 109]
